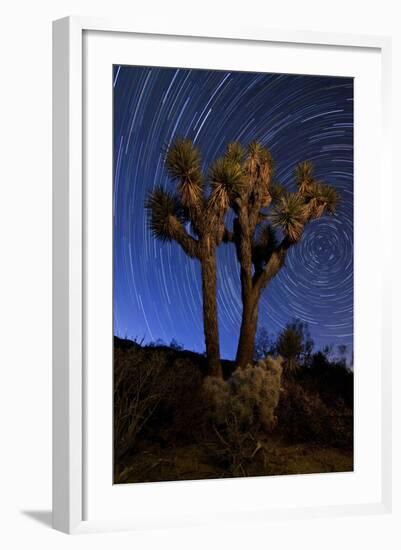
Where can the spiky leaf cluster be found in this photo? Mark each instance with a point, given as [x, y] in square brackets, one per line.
[314, 205]
[277, 191]
[162, 206]
[226, 181]
[304, 175]
[288, 213]
[320, 198]
[257, 168]
[184, 165]
[329, 197]
[258, 152]
[290, 347]
[258, 158]
[235, 152]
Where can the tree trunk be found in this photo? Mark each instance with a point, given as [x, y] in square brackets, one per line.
[210, 322]
[246, 342]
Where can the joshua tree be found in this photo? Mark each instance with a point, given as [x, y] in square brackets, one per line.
[295, 346]
[268, 221]
[193, 216]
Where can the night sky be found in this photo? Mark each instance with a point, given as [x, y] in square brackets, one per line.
[157, 288]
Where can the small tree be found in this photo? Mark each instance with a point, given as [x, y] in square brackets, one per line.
[292, 346]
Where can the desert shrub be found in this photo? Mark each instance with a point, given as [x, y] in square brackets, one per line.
[304, 417]
[231, 446]
[157, 395]
[181, 411]
[251, 394]
[295, 346]
[333, 380]
[141, 381]
[238, 409]
[342, 426]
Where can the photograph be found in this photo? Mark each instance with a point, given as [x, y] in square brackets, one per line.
[233, 274]
[200, 275]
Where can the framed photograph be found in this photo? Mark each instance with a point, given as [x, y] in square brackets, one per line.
[220, 303]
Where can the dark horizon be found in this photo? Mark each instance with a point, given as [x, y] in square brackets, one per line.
[157, 292]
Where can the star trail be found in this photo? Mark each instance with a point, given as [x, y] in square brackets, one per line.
[157, 288]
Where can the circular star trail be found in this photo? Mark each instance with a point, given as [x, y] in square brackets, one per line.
[157, 288]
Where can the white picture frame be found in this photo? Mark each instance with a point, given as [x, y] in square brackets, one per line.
[70, 425]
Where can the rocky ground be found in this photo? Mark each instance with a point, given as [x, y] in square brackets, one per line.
[189, 462]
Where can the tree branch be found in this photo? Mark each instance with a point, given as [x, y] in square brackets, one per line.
[260, 195]
[273, 266]
[180, 234]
